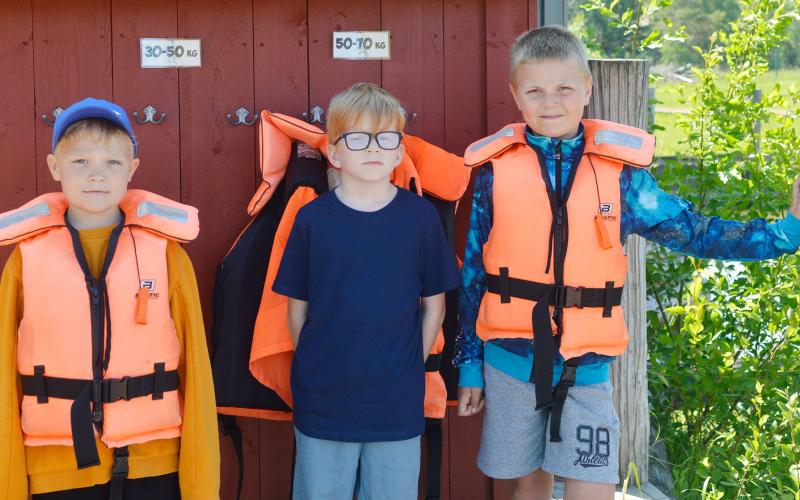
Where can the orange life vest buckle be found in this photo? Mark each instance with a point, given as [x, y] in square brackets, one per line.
[568, 296]
[115, 390]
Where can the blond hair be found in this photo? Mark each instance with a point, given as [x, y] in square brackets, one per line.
[548, 42]
[99, 128]
[364, 100]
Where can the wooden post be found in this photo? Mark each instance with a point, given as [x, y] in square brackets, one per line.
[620, 95]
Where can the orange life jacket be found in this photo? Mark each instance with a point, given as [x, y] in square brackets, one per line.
[98, 356]
[555, 264]
[423, 167]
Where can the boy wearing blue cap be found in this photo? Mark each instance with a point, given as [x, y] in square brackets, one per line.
[104, 372]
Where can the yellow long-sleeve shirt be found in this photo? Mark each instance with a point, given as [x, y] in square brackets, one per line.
[195, 455]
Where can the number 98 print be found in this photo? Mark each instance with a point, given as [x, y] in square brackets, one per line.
[170, 53]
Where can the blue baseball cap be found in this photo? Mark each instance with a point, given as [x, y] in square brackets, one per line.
[93, 108]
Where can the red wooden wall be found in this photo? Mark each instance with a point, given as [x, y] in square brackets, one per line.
[449, 66]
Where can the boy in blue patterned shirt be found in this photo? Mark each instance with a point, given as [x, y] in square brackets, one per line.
[551, 84]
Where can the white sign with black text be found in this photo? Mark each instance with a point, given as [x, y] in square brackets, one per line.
[361, 45]
[170, 53]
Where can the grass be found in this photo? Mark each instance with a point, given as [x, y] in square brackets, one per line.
[668, 140]
[668, 93]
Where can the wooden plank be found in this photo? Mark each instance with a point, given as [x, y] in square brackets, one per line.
[135, 88]
[504, 23]
[464, 73]
[72, 45]
[281, 56]
[445, 491]
[276, 442]
[501, 489]
[281, 85]
[465, 89]
[444, 487]
[620, 95]
[533, 14]
[217, 159]
[18, 119]
[328, 76]
[415, 72]
[217, 162]
[229, 479]
[466, 480]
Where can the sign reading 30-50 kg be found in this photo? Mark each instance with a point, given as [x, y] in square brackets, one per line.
[361, 45]
[170, 52]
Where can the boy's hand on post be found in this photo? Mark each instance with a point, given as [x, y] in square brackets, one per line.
[470, 401]
[795, 208]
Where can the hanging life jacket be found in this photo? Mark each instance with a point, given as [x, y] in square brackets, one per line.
[78, 379]
[559, 280]
[252, 347]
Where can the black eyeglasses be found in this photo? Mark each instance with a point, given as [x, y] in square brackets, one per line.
[359, 141]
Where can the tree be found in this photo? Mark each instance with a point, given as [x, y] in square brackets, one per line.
[788, 54]
[700, 18]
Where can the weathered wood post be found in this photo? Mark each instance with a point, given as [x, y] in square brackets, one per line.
[620, 95]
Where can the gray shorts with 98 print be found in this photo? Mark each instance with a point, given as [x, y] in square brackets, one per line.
[516, 438]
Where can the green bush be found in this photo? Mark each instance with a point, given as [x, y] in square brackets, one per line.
[724, 338]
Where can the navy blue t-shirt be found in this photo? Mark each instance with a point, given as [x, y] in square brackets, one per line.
[358, 373]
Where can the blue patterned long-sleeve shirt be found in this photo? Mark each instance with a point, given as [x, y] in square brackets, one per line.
[646, 210]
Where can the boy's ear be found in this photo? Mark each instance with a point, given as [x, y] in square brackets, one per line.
[52, 165]
[514, 94]
[333, 158]
[588, 95]
[401, 151]
[134, 167]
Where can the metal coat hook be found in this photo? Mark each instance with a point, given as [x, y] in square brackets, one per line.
[241, 115]
[56, 111]
[316, 115]
[149, 115]
[411, 118]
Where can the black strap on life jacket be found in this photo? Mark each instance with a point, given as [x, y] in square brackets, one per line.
[110, 390]
[433, 363]
[87, 408]
[84, 393]
[566, 382]
[433, 473]
[546, 295]
[119, 473]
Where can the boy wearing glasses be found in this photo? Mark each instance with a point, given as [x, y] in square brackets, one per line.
[365, 269]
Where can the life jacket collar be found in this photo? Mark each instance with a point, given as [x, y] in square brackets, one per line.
[611, 140]
[143, 209]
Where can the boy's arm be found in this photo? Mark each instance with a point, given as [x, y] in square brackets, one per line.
[13, 474]
[671, 221]
[296, 317]
[199, 459]
[469, 347]
[432, 317]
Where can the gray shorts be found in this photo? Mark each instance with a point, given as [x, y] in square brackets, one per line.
[516, 437]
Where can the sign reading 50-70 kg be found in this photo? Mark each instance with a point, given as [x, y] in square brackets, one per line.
[170, 52]
[361, 45]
